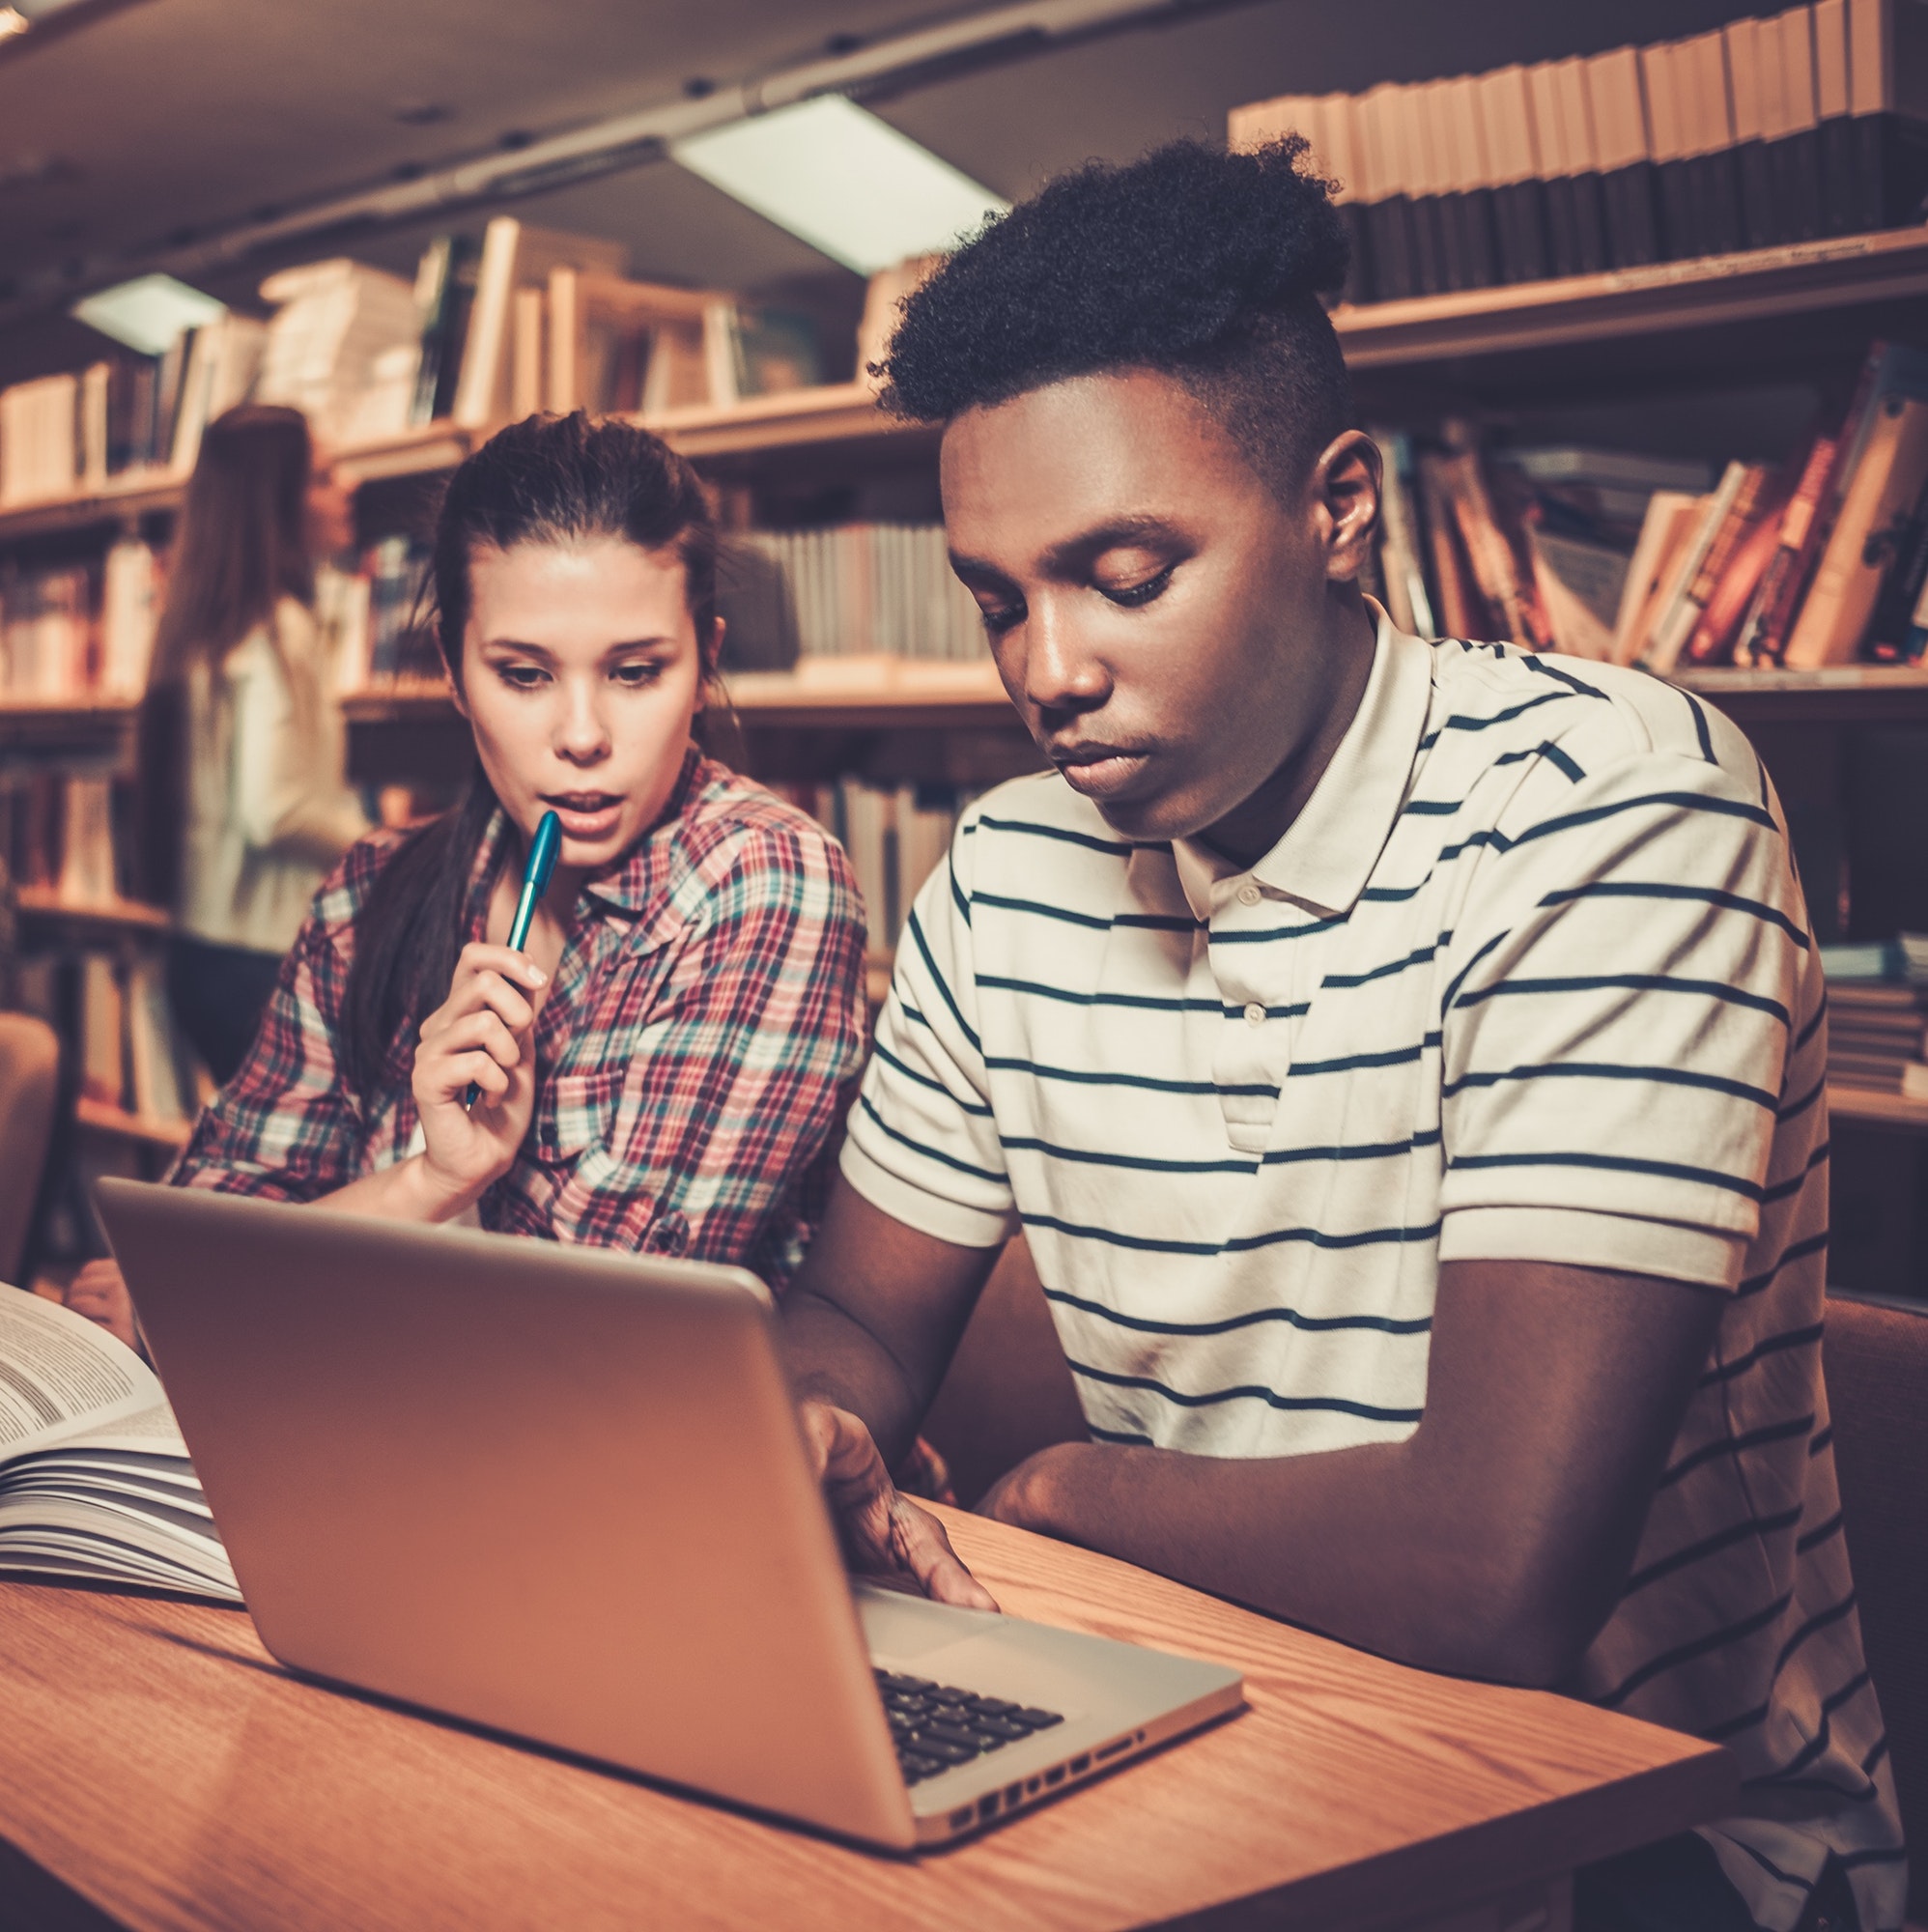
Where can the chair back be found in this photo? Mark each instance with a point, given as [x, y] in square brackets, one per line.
[1875, 1360]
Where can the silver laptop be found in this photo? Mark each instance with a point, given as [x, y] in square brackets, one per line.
[562, 1493]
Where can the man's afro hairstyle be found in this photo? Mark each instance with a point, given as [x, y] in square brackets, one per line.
[1202, 265]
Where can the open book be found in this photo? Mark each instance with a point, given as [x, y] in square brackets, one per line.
[95, 1480]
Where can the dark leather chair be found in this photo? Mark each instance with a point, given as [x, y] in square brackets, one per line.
[1874, 1359]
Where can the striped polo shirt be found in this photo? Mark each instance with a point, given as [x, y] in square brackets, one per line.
[1529, 979]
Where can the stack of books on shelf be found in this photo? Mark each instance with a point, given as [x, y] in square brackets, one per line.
[125, 415]
[896, 836]
[57, 833]
[490, 330]
[533, 319]
[852, 590]
[132, 1058]
[58, 839]
[1809, 123]
[1821, 559]
[1878, 1016]
[379, 617]
[73, 633]
[344, 348]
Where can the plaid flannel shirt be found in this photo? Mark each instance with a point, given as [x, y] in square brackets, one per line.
[693, 1057]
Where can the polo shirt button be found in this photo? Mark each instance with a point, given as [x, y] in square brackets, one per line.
[1249, 894]
[1255, 1014]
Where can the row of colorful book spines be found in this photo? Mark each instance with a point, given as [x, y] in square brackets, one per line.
[1851, 176]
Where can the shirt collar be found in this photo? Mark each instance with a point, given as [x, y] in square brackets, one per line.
[629, 882]
[1327, 853]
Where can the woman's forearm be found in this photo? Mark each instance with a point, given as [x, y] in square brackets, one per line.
[411, 1191]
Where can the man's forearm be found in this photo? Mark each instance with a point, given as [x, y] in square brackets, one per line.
[1365, 1544]
[834, 1358]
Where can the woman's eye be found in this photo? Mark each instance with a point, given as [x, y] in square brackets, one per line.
[1130, 595]
[521, 677]
[638, 676]
[1004, 617]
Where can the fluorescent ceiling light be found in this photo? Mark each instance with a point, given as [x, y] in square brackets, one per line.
[148, 313]
[843, 181]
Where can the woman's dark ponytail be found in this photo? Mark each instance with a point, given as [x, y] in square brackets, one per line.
[549, 480]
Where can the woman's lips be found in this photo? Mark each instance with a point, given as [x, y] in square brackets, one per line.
[586, 815]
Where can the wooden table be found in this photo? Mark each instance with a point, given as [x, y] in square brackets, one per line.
[159, 1770]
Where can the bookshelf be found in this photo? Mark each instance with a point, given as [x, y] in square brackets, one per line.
[1643, 332]
[99, 1116]
[1849, 272]
[1864, 1107]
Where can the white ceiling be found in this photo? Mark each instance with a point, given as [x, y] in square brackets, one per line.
[173, 115]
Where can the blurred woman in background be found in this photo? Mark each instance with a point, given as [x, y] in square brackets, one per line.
[243, 803]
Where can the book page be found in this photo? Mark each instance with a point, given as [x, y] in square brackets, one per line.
[60, 1376]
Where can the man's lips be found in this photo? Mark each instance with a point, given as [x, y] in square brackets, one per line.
[1100, 771]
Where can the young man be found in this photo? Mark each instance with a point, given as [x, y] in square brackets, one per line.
[1405, 1060]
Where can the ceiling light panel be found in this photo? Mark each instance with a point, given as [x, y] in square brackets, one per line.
[841, 180]
[148, 313]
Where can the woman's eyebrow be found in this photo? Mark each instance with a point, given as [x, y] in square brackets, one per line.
[641, 644]
[518, 646]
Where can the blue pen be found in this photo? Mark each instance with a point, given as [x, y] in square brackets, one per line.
[543, 848]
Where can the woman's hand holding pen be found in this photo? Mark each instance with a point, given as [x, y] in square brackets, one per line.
[484, 1033]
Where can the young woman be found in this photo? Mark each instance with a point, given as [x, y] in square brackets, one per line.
[663, 1068]
[243, 796]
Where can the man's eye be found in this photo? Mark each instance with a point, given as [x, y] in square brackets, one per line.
[1131, 595]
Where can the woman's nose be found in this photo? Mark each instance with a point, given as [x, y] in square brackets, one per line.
[582, 737]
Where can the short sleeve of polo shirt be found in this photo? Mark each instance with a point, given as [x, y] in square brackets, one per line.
[1617, 1019]
[923, 1145]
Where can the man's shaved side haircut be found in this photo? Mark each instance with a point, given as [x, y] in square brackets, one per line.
[1203, 265]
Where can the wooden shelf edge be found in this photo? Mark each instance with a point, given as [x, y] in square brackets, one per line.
[103, 1117]
[1798, 276]
[1714, 679]
[1871, 1107]
[130, 915]
[124, 499]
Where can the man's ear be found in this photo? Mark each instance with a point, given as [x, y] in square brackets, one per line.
[1346, 485]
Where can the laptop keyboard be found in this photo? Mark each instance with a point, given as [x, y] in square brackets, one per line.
[936, 1728]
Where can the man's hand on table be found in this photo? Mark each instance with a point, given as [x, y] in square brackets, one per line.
[882, 1533]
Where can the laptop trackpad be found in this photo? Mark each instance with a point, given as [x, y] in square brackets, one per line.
[903, 1627]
